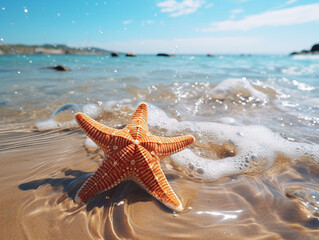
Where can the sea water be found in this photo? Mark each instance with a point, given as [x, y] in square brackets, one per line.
[252, 172]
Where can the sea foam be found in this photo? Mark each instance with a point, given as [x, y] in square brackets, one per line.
[234, 86]
[256, 148]
[63, 117]
[237, 148]
[252, 148]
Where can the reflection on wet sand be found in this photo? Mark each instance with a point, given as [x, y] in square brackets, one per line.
[38, 199]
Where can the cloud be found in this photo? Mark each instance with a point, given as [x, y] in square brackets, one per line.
[177, 9]
[291, 2]
[209, 5]
[236, 11]
[240, 1]
[147, 22]
[127, 22]
[284, 17]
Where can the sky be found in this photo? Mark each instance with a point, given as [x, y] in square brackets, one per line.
[170, 26]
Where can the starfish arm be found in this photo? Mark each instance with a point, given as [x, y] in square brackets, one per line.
[109, 174]
[102, 135]
[163, 146]
[138, 124]
[152, 178]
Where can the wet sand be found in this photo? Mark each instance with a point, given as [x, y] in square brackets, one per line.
[41, 172]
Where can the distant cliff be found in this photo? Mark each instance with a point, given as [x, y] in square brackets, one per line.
[48, 49]
[313, 50]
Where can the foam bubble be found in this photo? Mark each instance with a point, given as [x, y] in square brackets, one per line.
[65, 112]
[63, 117]
[234, 86]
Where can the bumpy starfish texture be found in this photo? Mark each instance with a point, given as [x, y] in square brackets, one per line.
[131, 153]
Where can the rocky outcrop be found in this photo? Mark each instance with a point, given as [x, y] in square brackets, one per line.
[165, 55]
[49, 49]
[313, 50]
[59, 68]
[130, 55]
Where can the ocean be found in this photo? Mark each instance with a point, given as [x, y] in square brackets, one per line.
[252, 173]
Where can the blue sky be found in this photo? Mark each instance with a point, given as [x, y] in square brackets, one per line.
[172, 26]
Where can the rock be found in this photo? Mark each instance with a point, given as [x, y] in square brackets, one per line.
[114, 54]
[313, 50]
[59, 68]
[210, 55]
[301, 52]
[165, 55]
[130, 55]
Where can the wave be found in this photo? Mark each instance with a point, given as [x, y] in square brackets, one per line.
[235, 148]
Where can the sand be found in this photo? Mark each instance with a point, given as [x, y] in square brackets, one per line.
[41, 172]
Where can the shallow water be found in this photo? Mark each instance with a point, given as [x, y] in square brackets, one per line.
[264, 107]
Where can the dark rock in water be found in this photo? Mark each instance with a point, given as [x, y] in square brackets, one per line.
[313, 50]
[114, 54]
[165, 55]
[59, 68]
[130, 55]
[301, 52]
[210, 55]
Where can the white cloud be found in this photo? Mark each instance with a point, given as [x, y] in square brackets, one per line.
[209, 5]
[284, 17]
[147, 22]
[240, 1]
[236, 11]
[177, 9]
[291, 2]
[127, 22]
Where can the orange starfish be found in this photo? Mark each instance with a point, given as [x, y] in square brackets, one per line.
[131, 153]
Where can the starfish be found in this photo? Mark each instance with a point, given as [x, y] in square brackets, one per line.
[131, 153]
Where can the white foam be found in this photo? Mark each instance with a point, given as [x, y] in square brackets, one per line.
[228, 120]
[312, 102]
[257, 147]
[63, 117]
[91, 110]
[234, 86]
[52, 124]
[306, 57]
[115, 105]
[89, 143]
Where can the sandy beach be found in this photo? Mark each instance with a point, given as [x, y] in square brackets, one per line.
[270, 122]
